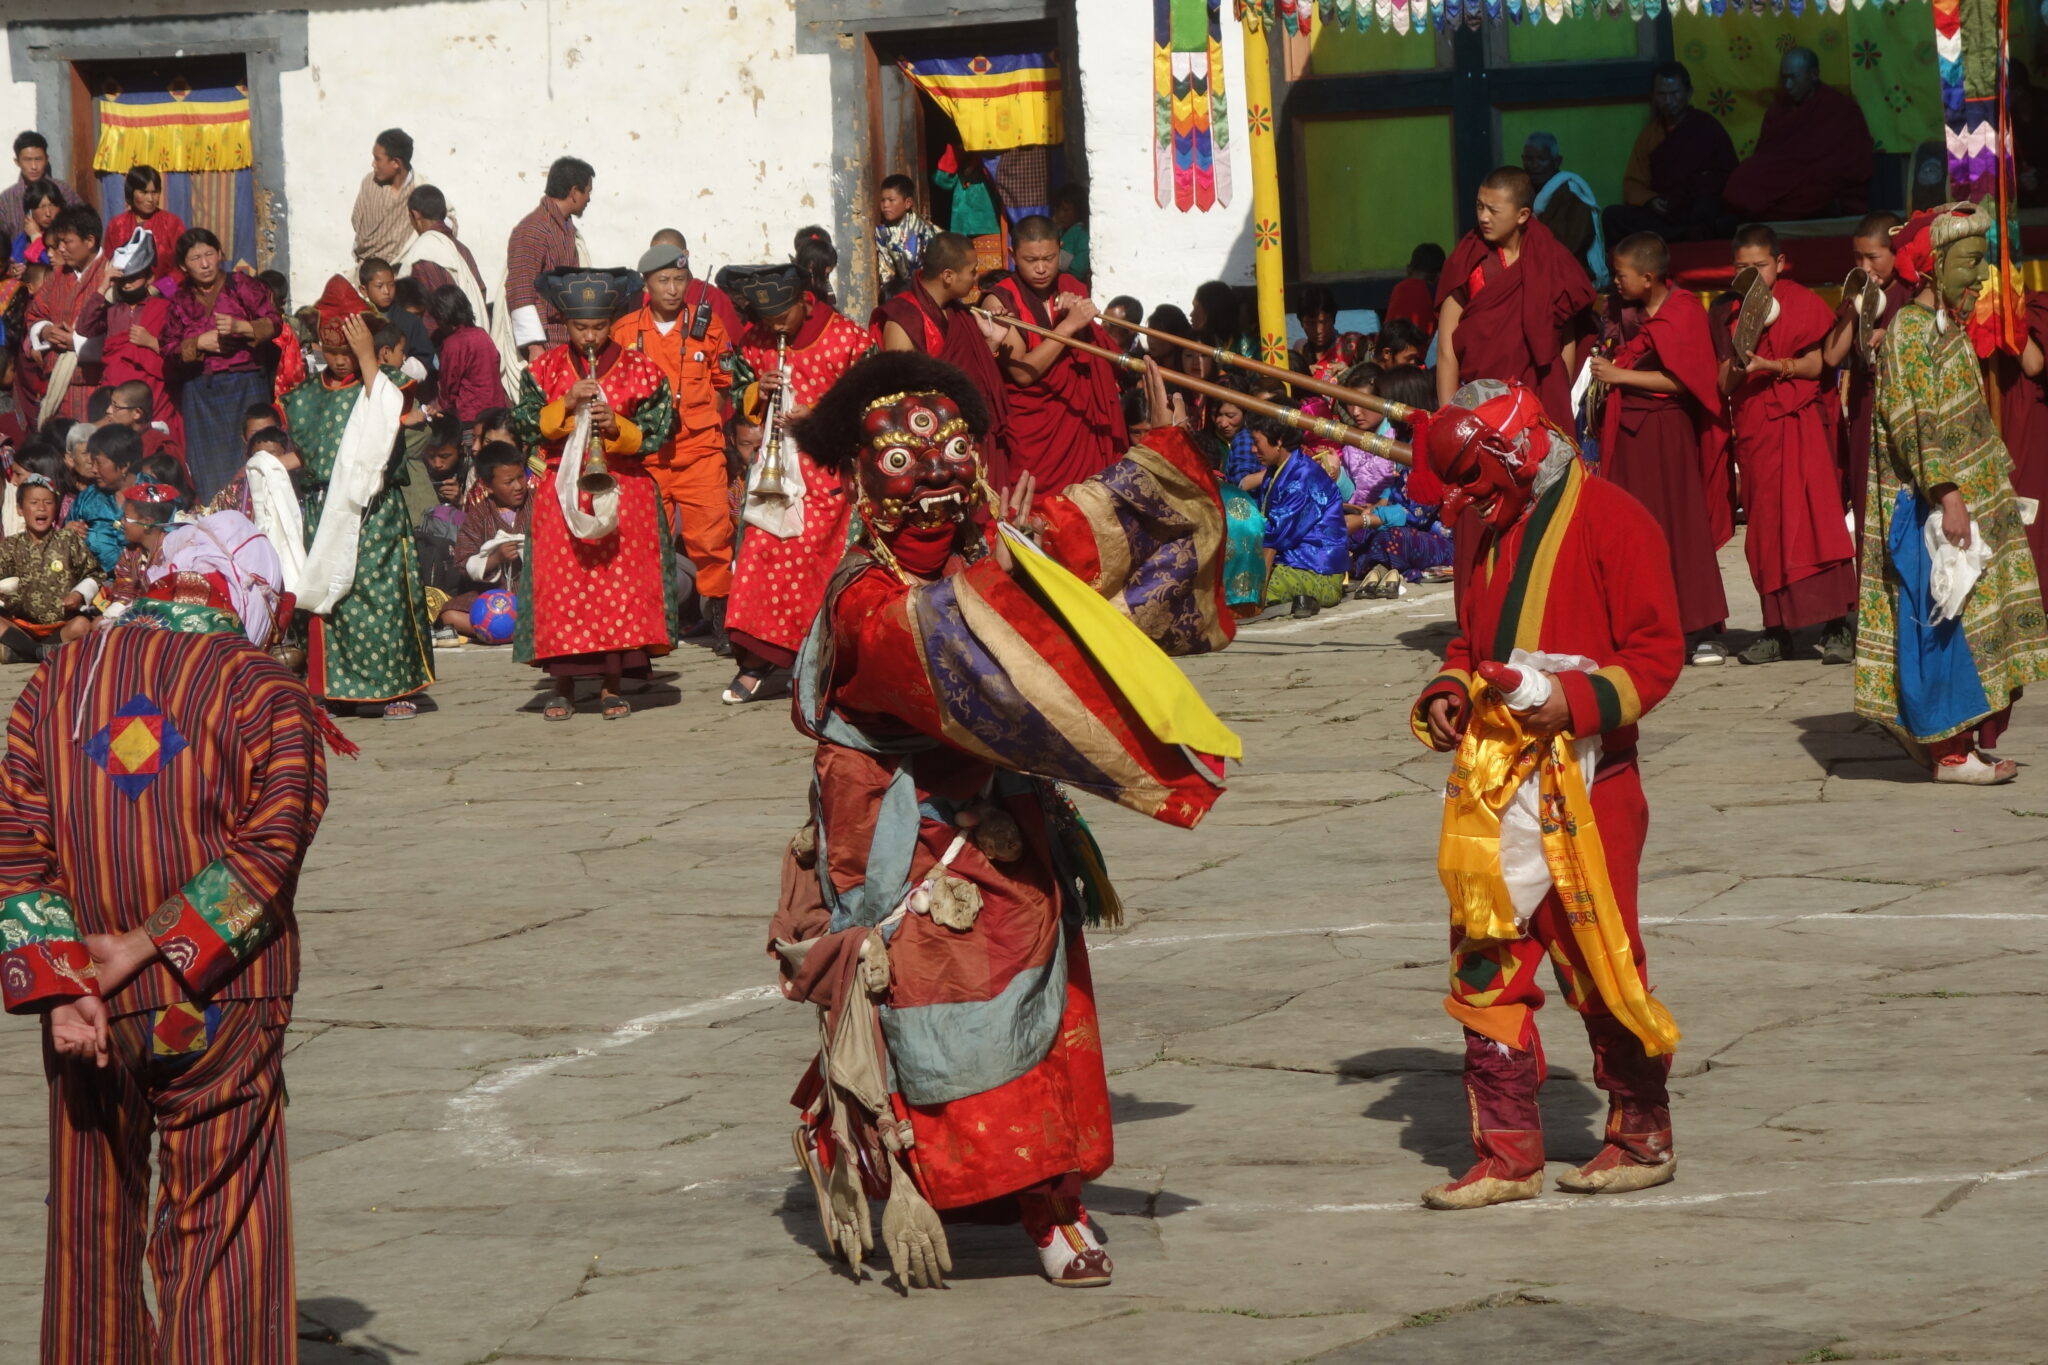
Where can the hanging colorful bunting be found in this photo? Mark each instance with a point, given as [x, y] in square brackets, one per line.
[1191, 156]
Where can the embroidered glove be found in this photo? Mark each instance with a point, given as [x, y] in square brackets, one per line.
[911, 1231]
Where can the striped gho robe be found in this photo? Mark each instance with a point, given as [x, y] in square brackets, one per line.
[171, 781]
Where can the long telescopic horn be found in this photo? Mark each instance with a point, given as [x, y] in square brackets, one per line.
[1370, 442]
[1385, 407]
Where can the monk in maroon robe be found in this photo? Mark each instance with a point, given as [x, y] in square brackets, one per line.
[1798, 547]
[1066, 419]
[1872, 245]
[1664, 391]
[2026, 425]
[1814, 155]
[1678, 168]
[1512, 302]
[932, 317]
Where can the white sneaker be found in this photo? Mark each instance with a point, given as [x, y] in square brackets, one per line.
[1708, 652]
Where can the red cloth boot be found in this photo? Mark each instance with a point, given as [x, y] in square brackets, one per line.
[1507, 1127]
[1637, 1153]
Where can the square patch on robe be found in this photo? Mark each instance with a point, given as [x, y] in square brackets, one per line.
[135, 746]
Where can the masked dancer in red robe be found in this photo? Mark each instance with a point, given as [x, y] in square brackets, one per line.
[1665, 404]
[933, 907]
[1512, 303]
[1567, 634]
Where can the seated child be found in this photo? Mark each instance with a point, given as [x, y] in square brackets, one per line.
[501, 472]
[111, 457]
[441, 524]
[47, 575]
[1393, 538]
[1305, 548]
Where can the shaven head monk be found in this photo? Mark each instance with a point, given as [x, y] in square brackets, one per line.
[1529, 297]
[1663, 406]
[1814, 153]
[1800, 555]
[1064, 420]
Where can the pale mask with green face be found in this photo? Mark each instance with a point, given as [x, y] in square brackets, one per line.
[1963, 270]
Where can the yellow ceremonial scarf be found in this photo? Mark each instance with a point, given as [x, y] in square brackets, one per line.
[1495, 757]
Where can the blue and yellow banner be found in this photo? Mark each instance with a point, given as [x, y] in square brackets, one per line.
[998, 102]
[201, 130]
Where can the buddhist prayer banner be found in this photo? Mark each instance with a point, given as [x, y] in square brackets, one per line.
[204, 130]
[1191, 137]
[199, 141]
[998, 102]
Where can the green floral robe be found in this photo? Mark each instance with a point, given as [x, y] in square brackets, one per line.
[1931, 426]
[377, 643]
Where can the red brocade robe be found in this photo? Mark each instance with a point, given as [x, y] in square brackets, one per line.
[2026, 434]
[1798, 547]
[968, 685]
[1652, 444]
[778, 584]
[612, 596]
[1068, 424]
[1516, 317]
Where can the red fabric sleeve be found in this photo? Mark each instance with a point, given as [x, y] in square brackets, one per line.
[44, 962]
[1632, 569]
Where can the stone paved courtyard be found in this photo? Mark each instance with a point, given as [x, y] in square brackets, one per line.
[539, 1079]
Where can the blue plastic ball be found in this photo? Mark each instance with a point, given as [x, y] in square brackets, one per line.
[495, 616]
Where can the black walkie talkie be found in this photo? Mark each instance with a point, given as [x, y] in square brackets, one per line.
[700, 321]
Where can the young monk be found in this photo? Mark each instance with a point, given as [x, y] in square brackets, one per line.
[1666, 401]
[1512, 300]
[1798, 546]
[1872, 247]
[1064, 422]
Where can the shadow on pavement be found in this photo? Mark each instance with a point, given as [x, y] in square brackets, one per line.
[322, 1324]
[1426, 1095]
[1853, 749]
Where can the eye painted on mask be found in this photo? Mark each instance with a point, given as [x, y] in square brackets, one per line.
[894, 460]
[957, 448]
[922, 421]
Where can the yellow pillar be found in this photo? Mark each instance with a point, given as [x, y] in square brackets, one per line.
[1258, 109]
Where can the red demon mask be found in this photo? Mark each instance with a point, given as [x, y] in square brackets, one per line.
[919, 467]
[1488, 458]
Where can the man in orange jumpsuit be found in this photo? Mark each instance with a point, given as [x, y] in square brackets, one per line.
[678, 329]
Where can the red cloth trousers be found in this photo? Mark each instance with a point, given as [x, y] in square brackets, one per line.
[1500, 977]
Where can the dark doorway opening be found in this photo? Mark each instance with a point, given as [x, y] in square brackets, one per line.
[231, 202]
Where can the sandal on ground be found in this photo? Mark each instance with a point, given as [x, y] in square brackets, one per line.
[1972, 770]
[744, 687]
[401, 710]
[558, 708]
[614, 707]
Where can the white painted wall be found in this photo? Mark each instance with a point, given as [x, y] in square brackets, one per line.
[697, 114]
[1156, 254]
